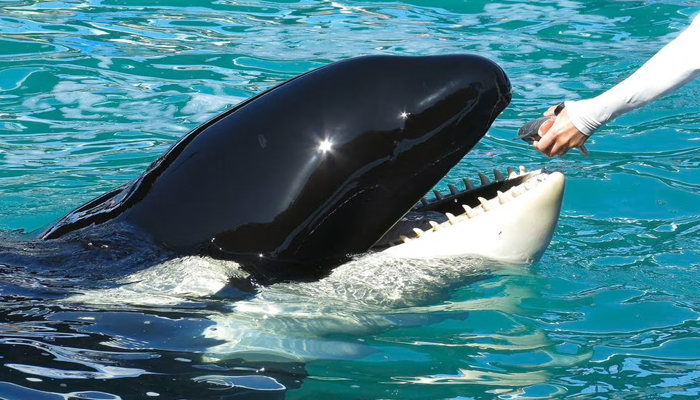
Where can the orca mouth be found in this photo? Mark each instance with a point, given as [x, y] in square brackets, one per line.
[458, 206]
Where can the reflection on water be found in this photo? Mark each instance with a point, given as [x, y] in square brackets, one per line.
[92, 91]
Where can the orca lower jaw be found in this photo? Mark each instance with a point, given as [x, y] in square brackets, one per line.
[511, 219]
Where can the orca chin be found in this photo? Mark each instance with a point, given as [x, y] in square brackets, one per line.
[510, 220]
[296, 180]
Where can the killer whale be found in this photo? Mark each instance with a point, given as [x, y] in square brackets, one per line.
[162, 207]
[293, 181]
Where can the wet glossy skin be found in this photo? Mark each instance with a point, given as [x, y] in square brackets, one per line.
[297, 178]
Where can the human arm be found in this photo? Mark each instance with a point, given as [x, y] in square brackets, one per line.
[672, 67]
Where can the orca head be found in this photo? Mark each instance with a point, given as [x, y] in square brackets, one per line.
[384, 131]
[296, 179]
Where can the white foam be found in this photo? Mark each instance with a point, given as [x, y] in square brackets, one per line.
[169, 283]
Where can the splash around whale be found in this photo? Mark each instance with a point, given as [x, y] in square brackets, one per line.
[334, 163]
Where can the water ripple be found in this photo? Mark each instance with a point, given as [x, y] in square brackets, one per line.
[91, 91]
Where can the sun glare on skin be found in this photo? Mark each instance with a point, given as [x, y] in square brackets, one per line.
[403, 115]
[325, 146]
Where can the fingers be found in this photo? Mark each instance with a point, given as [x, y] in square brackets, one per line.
[555, 148]
[541, 148]
[558, 135]
[547, 149]
[558, 149]
[544, 145]
[548, 137]
[545, 127]
[550, 111]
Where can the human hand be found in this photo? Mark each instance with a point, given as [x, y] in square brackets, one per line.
[559, 135]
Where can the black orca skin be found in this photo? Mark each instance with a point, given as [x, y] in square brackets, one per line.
[294, 180]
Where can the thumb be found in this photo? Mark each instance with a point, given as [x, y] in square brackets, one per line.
[550, 111]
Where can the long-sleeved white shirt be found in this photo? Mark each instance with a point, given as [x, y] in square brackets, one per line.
[672, 67]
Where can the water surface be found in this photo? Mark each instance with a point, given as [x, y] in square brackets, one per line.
[92, 91]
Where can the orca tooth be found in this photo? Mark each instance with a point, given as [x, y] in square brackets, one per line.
[528, 185]
[485, 204]
[467, 184]
[451, 218]
[522, 170]
[453, 189]
[419, 232]
[438, 195]
[470, 211]
[511, 173]
[435, 225]
[498, 175]
[405, 239]
[516, 191]
[484, 180]
[424, 201]
[502, 198]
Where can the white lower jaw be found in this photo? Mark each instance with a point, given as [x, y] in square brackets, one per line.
[514, 227]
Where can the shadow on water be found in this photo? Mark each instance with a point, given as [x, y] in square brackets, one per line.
[72, 351]
[56, 348]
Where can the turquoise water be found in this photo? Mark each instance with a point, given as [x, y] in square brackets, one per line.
[92, 91]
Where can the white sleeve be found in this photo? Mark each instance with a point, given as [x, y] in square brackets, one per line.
[672, 67]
